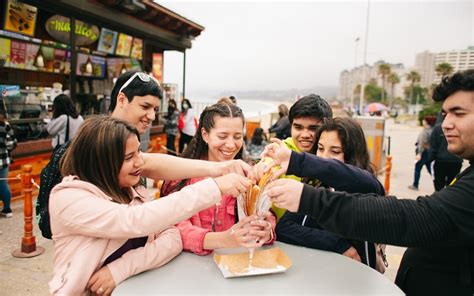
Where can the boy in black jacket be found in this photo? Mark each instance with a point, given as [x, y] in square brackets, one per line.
[438, 229]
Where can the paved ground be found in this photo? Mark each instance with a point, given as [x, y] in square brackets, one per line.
[30, 276]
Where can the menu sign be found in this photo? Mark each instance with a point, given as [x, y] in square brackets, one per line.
[157, 67]
[137, 48]
[59, 27]
[107, 41]
[17, 54]
[31, 52]
[20, 18]
[124, 45]
[5, 52]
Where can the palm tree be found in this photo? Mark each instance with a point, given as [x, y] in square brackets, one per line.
[393, 79]
[414, 77]
[384, 70]
[444, 69]
[356, 92]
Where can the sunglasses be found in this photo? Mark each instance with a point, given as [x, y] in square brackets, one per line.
[143, 77]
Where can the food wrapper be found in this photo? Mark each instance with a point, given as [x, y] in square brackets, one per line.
[265, 261]
[256, 200]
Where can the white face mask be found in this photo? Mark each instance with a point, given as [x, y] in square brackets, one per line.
[185, 106]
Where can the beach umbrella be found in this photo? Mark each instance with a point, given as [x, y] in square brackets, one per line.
[375, 107]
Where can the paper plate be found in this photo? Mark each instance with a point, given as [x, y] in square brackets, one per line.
[264, 261]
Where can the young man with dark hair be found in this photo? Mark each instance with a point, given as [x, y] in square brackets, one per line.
[438, 229]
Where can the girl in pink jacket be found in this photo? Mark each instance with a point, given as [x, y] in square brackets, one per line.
[219, 138]
[103, 231]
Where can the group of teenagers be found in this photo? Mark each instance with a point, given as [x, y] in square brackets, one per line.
[101, 210]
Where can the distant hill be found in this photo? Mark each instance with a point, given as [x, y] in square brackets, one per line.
[327, 92]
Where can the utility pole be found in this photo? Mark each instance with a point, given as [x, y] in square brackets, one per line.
[353, 75]
[362, 88]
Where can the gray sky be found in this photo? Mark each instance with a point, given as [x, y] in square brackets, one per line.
[273, 45]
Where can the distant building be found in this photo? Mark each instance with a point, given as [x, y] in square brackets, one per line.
[459, 59]
[425, 64]
[349, 79]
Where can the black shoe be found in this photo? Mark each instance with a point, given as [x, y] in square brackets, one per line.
[7, 213]
[413, 187]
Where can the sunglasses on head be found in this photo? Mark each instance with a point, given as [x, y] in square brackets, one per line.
[143, 77]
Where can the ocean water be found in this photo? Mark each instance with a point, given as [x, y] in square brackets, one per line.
[251, 108]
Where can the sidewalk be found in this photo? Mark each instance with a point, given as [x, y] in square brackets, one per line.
[31, 276]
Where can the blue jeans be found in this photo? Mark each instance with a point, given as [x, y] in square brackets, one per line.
[4, 190]
[419, 166]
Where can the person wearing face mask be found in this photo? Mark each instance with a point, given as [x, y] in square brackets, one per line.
[219, 138]
[171, 126]
[187, 124]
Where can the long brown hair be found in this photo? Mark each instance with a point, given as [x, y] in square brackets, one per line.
[352, 140]
[97, 153]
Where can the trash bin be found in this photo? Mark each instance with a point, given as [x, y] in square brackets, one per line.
[374, 130]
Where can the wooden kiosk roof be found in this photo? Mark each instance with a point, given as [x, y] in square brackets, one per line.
[145, 19]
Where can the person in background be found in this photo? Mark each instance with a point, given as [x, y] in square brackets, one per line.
[446, 165]
[437, 229]
[7, 144]
[171, 126]
[282, 128]
[65, 122]
[187, 124]
[105, 227]
[422, 146]
[256, 144]
[342, 164]
[219, 138]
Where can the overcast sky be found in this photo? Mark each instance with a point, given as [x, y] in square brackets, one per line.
[273, 45]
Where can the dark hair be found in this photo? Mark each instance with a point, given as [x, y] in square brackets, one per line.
[352, 140]
[232, 98]
[459, 81]
[187, 102]
[310, 106]
[97, 153]
[197, 148]
[169, 115]
[63, 105]
[430, 120]
[135, 88]
[258, 136]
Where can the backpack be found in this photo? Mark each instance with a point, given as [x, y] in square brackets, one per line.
[50, 176]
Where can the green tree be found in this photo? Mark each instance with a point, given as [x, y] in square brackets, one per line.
[384, 70]
[414, 77]
[373, 93]
[444, 69]
[392, 79]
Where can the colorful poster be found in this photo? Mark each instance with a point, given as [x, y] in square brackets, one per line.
[114, 66]
[59, 60]
[84, 65]
[17, 54]
[98, 65]
[135, 65]
[47, 56]
[107, 41]
[157, 67]
[31, 52]
[20, 18]
[124, 44]
[5, 45]
[67, 63]
[137, 49]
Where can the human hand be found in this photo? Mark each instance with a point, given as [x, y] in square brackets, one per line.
[263, 228]
[237, 166]
[418, 157]
[240, 235]
[232, 184]
[280, 154]
[101, 282]
[352, 253]
[285, 193]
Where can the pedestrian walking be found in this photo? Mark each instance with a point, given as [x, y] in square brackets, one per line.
[7, 144]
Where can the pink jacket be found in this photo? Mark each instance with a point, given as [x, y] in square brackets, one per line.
[88, 227]
[221, 215]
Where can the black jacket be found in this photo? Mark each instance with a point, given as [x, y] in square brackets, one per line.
[439, 147]
[303, 230]
[438, 229]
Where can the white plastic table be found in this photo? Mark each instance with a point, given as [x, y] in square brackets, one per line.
[312, 272]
